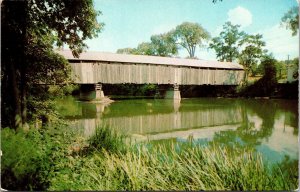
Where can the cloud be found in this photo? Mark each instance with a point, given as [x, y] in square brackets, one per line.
[280, 42]
[240, 16]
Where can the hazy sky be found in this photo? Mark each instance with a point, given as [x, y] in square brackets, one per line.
[130, 22]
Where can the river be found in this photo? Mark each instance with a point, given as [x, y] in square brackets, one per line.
[269, 126]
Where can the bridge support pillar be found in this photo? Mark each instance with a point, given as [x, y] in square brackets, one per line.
[91, 92]
[173, 94]
[99, 91]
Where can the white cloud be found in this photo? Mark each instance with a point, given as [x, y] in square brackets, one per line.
[280, 42]
[240, 16]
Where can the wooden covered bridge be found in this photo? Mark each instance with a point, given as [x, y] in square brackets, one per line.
[108, 68]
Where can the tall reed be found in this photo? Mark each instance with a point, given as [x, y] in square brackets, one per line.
[177, 167]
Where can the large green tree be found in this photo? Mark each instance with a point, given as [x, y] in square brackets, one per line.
[226, 45]
[252, 52]
[189, 35]
[29, 31]
[291, 20]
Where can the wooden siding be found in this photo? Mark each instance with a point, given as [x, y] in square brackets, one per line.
[137, 73]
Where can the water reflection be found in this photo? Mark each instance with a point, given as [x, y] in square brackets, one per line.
[269, 126]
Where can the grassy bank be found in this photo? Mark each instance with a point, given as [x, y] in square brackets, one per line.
[106, 162]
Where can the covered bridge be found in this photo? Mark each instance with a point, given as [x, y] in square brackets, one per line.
[111, 68]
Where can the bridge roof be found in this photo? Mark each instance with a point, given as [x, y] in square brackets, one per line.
[124, 58]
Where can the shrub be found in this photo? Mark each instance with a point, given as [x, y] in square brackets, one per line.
[264, 86]
[30, 159]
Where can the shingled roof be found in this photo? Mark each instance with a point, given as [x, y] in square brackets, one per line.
[123, 58]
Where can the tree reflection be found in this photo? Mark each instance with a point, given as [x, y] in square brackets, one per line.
[247, 135]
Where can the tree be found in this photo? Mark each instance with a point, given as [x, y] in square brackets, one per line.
[295, 62]
[126, 50]
[144, 48]
[226, 45]
[161, 45]
[189, 35]
[29, 31]
[291, 20]
[164, 44]
[215, 1]
[252, 52]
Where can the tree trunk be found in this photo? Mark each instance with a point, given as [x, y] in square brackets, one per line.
[17, 117]
[246, 77]
[23, 88]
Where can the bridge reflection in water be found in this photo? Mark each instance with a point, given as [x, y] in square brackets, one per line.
[268, 126]
[159, 119]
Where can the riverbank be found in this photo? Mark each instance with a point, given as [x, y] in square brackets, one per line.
[52, 159]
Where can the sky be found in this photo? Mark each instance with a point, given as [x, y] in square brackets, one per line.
[130, 22]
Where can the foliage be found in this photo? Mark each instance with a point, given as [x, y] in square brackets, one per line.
[189, 35]
[131, 89]
[266, 85]
[31, 28]
[144, 48]
[251, 54]
[31, 159]
[291, 20]
[281, 69]
[59, 90]
[161, 45]
[127, 50]
[295, 62]
[226, 45]
[164, 44]
[232, 44]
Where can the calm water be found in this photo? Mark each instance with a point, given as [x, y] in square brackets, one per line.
[268, 126]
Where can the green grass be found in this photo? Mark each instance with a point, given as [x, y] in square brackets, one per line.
[108, 139]
[107, 162]
[175, 167]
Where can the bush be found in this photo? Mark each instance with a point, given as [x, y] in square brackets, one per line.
[30, 159]
[264, 86]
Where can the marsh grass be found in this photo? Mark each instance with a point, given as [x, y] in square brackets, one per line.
[176, 166]
[108, 139]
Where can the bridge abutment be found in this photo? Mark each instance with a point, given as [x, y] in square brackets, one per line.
[173, 93]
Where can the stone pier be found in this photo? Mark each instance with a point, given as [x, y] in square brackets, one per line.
[91, 92]
[173, 94]
[99, 91]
